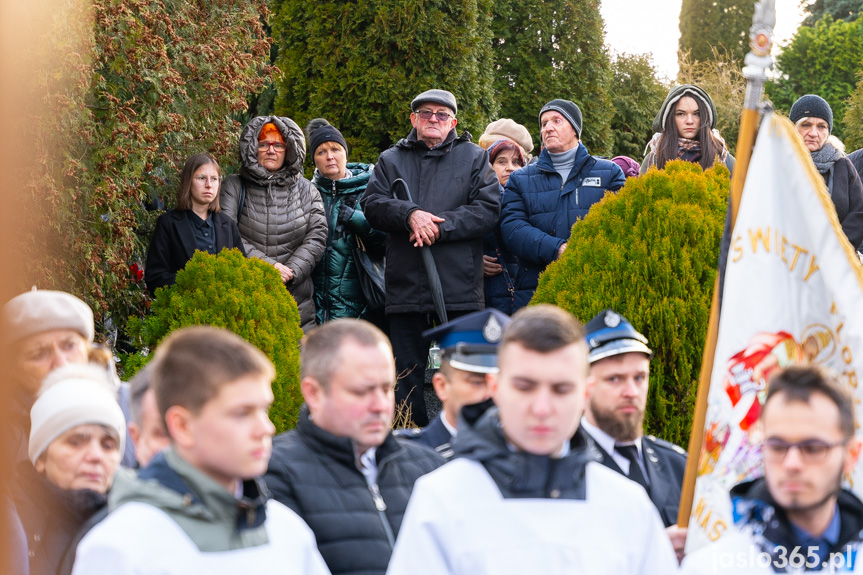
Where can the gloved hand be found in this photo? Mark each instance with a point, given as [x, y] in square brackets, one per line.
[345, 214]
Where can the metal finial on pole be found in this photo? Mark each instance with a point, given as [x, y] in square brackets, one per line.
[757, 62]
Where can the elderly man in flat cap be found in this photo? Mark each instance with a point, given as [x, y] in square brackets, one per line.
[455, 202]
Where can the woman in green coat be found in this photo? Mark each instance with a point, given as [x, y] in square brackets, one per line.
[338, 292]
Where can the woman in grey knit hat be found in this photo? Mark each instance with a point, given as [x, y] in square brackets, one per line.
[813, 118]
[686, 129]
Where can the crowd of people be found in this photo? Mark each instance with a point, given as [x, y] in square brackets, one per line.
[537, 461]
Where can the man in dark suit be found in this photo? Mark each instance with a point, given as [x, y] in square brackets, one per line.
[468, 347]
[614, 418]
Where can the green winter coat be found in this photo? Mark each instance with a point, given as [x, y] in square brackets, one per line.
[337, 288]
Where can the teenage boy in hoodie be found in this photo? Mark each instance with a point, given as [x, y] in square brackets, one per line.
[200, 506]
[524, 493]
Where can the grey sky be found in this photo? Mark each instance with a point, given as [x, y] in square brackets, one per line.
[639, 26]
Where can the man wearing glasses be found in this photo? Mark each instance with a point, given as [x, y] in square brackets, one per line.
[453, 202]
[797, 516]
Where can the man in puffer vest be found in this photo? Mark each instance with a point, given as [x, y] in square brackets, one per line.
[342, 469]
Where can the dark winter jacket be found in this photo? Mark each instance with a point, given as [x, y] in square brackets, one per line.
[282, 219]
[519, 474]
[500, 289]
[337, 289]
[52, 518]
[453, 181]
[315, 473]
[756, 512]
[846, 191]
[856, 158]
[665, 464]
[173, 245]
[539, 211]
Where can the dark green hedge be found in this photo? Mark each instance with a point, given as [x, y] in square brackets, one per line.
[650, 252]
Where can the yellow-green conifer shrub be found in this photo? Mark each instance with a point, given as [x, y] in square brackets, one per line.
[246, 296]
[650, 252]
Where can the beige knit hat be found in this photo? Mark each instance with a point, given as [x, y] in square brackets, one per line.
[39, 311]
[70, 396]
[506, 129]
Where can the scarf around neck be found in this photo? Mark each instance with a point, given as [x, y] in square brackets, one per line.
[825, 157]
[689, 150]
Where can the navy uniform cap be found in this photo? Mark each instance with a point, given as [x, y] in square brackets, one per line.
[609, 334]
[470, 342]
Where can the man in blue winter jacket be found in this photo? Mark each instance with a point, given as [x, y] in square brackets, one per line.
[543, 200]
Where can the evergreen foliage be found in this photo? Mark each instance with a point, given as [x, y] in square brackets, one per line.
[708, 25]
[853, 119]
[148, 83]
[824, 60]
[721, 78]
[637, 97]
[837, 9]
[547, 49]
[243, 295]
[650, 252]
[359, 64]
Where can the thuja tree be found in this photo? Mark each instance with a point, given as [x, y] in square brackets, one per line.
[650, 252]
[637, 97]
[707, 25]
[837, 9]
[159, 81]
[853, 119]
[825, 60]
[359, 64]
[245, 296]
[547, 49]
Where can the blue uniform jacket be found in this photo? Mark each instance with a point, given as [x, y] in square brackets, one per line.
[539, 210]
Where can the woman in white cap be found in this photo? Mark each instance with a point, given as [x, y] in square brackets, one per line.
[686, 130]
[77, 436]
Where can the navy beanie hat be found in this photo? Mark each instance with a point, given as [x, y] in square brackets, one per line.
[326, 134]
[568, 110]
[812, 106]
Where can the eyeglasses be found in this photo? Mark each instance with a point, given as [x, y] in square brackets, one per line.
[811, 450]
[277, 146]
[441, 116]
[204, 179]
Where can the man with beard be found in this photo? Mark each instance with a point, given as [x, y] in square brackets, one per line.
[797, 515]
[614, 418]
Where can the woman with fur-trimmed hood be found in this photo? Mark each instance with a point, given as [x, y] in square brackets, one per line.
[279, 213]
[686, 130]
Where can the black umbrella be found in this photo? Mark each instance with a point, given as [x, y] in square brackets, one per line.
[428, 262]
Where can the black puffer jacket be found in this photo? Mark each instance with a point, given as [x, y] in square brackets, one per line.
[315, 474]
[453, 181]
[283, 217]
[520, 474]
[52, 518]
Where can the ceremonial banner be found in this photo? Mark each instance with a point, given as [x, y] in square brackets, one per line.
[793, 291]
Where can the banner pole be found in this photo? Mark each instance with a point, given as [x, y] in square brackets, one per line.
[757, 61]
